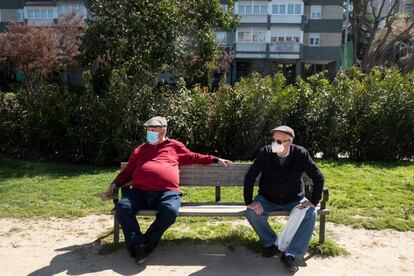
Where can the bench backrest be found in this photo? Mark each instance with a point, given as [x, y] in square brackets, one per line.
[213, 175]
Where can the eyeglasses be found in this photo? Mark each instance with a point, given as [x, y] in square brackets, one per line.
[281, 142]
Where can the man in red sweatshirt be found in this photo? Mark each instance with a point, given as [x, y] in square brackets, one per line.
[153, 170]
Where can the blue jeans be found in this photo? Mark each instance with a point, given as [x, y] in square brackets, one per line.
[260, 224]
[166, 203]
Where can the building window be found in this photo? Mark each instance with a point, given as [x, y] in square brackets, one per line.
[20, 15]
[252, 9]
[290, 8]
[316, 12]
[221, 38]
[259, 36]
[39, 13]
[79, 9]
[275, 9]
[282, 9]
[292, 39]
[30, 14]
[244, 36]
[43, 14]
[314, 39]
[298, 9]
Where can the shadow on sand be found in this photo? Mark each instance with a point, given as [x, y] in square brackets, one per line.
[188, 258]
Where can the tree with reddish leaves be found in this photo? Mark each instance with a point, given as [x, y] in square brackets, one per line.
[38, 50]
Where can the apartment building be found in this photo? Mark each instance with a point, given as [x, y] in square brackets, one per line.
[10, 10]
[407, 7]
[290, 35]
[40, 12]
[403, 7]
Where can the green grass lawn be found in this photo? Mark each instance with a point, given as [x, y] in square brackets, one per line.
[369, 195]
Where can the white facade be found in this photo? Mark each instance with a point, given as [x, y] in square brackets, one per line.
[280, 11]
[284, 38]
[43, 15]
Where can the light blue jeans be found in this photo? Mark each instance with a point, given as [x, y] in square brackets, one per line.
[260, 224]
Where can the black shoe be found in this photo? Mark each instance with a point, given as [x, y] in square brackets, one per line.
[131, 251]
[289, 262]
[142, 252]
[270, 251]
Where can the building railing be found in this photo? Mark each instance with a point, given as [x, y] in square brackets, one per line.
[250, 46]
[277, 46]
[284, 46]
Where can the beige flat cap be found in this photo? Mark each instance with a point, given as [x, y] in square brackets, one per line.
[285, 129]
[157, 121]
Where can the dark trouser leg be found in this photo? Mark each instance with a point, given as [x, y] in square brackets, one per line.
[126, 210]
[167, 206]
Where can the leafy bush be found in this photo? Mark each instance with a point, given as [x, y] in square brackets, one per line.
[366, 116]
[243, 115]
[380, 116]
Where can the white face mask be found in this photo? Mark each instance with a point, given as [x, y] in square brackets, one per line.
[277, 148]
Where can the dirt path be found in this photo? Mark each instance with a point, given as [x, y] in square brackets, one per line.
[50, 247]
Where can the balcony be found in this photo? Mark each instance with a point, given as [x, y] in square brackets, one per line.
[275, 50]
[284, 46]
[284, 50]
[250, 47]
[256, 50]
[287, 19]
[253, 18]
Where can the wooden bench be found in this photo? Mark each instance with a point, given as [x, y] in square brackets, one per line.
[215, 176]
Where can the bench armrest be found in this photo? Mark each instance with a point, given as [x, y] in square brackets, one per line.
[123, 189]
[115, 195]
[325, 197]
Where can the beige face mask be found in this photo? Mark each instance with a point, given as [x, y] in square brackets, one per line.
[277, 148]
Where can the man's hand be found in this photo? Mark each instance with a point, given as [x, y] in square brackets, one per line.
[108, 194]
[256, 207]
[306, 204]
[224, 162]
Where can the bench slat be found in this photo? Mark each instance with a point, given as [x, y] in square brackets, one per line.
[218, 210]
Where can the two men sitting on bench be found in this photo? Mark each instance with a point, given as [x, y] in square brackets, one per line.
[153, 169]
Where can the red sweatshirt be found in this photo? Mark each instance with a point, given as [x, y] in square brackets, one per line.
[156, 167]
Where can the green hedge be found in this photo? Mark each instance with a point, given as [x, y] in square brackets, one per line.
[364, 116]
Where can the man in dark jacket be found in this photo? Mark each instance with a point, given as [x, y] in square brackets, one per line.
[281, 165]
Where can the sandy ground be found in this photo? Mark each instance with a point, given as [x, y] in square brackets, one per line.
[67, 247]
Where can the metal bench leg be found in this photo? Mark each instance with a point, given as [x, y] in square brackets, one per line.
[116, 230]
[321, 228]
[218, 194]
